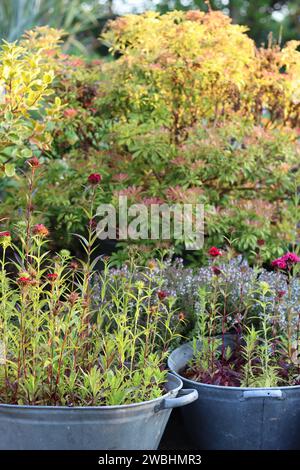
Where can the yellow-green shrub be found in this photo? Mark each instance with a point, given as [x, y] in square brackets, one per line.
[181, 67]
[185, 67]
[25, 82]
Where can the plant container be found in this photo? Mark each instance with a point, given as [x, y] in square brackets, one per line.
[136, 426]
[238, 418]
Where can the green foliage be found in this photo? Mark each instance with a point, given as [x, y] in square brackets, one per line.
[246, 329]
[60, 349]
[200, 135]
[240, 173]
[164, 123]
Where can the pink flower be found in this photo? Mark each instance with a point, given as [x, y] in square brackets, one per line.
[132, 192]
[214, 252]
[286, 261]
[95, 178]
[279, 263]
[148, 201]
[50, 52]
[97, 62]
[77, 62]
[194, 15]
[179, 161]
[291, 258]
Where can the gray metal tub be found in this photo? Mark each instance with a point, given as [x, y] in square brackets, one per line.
[137, 426]
[239, 418]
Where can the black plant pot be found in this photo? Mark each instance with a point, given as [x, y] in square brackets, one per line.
[236, 418]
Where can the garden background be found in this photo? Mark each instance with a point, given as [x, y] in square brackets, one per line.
[210, 120]
[84, 19]
[179, 103]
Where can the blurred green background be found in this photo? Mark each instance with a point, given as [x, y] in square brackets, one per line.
[83, 20]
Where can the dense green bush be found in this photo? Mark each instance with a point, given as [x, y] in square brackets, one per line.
[214, 127]
[169, 120]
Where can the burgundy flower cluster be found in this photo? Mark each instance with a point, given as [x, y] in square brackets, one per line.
[286, 261]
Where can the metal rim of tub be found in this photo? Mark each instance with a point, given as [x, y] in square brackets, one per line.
[169, 401]
[135, 426]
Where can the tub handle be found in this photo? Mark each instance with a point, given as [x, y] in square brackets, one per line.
[184, 397]
[267, 393]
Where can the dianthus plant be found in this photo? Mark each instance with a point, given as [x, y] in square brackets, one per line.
[247, 324]
[57, 347]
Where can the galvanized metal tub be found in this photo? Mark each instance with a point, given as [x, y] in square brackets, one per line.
[136, 426]
[239, 418]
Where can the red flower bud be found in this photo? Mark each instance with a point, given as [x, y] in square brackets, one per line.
[281, 293]
[92, 224]
[24, 281]
[216, 270]
[214, 252]
[95, 178]
[5, 239]
[4, 234]
[73, 297]
[52, 277]
[33, 162]
[162, 294]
